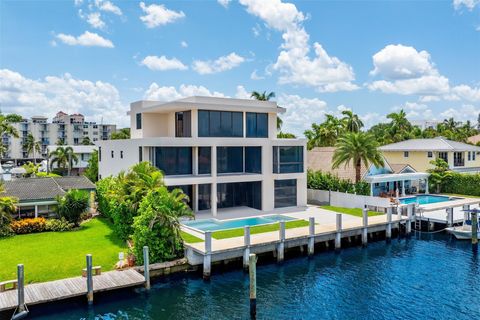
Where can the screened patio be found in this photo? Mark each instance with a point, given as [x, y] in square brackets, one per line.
[406, 183]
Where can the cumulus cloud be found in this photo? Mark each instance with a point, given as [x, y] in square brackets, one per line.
[242, 93]
[163, 63]
[168, 93]
[158, 15]
[224, 3]
[184, 44]
[94, 19]
[294, 63]
[97, 100]
[255, 76]
[108, 6]
[469, 4]
[87, 39]
[464, 112]
[223, 63]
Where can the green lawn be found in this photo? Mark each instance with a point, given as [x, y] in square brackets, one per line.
[188, 238]
[354, 212]
[224, 234]
[56, 255]
[457, 195]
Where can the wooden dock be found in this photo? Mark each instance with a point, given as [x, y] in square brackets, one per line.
[72, 287]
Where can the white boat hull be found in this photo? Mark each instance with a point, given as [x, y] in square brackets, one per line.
[461, 233]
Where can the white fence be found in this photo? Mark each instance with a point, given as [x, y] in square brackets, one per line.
[346, 200]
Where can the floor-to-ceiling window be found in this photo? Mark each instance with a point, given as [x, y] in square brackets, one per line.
[253, 159]
[257, 125]
[229, 160]
[238, 194]
[220, 123]
[204, 196]
[183, 124]
[204, 160]
[287, 159]
[174, 160]
[285, 193]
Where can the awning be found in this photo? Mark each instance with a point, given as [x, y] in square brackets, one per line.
[396, 177]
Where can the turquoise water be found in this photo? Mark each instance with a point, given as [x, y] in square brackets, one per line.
[435, 277]
[427, 199]
[214, 224]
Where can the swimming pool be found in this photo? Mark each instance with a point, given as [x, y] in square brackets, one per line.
[215, 224]
[425, 199]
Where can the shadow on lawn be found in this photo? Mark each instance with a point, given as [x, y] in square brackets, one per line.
[111, 236]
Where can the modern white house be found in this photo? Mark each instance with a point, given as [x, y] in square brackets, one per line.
[221, 152]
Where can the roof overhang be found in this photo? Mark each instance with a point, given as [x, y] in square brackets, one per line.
[396, 177]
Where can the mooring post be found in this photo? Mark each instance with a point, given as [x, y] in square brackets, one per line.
[252, 269]
[388, 231]
[246, 252]
[281, 244]
[338, 235]
[146, 267]
[450, 217]
[474, 230]
[409, 218]
[89, 279]
[365, 227]
[207, 258]
[465, 208]
[311, 236]
[21, 288]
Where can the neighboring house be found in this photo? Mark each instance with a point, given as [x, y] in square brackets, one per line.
[222, 152]
[71, 129]
[474, 139]
[418, 153]
[37, 196]
[83, 153]
[321, 158]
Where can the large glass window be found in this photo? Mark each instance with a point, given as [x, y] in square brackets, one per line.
[204, 192]
[444, 156]
[229, 159]
[253, 159]
[174, 160]
[183, 124]
[204, 160]
[285, 193]
[220, 124]
[247, 194]
[287, 159]
[139, 121]
[257, 125]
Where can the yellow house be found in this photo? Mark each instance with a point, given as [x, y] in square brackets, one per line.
[418, 153]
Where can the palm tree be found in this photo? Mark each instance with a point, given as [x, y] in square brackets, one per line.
[399, 126]
[324, 134]
[64, 158]
[6, 127]
[352, 121]
[86, 141]
[32, 146]
[7, 209]
[357, 147]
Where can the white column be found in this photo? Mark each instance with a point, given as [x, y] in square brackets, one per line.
[36, 211]
[403, 188]
[426, 186]
[213, 199]
[371, 189]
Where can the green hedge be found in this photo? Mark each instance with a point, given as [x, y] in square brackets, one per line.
[461, 183]
[326, 181]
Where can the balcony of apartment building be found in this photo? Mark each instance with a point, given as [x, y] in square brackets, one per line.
[45, 141]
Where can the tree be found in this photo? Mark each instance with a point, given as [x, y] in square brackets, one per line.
[92, 169]
[478, 122]
[351, 121]
[264, 96]
[31, 169]
[285, 135]
[64, 157]
[324, 134]
[440, 174]
[399, 125]
[357, 148]
[60, 142]
[72, 205]
[32, 146]
[6, 127]
[121, 134]
[158, 225]
[7, 210]
[86, 141]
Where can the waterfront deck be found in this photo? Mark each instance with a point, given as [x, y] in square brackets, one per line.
[436, 212]
[72, 287]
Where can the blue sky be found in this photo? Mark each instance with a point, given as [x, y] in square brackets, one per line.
[374, 57]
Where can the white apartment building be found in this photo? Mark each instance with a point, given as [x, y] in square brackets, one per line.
[221, 152]
[70, 129]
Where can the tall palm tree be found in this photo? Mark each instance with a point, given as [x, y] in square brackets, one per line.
[357, 148]
[64, 157]
[399, 126]
[352, 121]
[32, 146]
[264, 96]
[324, 134]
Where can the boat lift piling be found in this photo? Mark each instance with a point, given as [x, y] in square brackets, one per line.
[474, 214]
[252, 268]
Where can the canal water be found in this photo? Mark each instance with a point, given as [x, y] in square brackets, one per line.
[435, 277]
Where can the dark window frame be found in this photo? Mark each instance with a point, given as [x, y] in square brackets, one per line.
[220, 124]
[138, 121]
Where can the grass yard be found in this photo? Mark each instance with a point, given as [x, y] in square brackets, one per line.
[224, 234]
[458, 195]
[188, 238]
[351, 211]
[56, 255]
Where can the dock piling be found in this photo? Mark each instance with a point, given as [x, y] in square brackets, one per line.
[388, 231]
[246, 253]
[365, 227]
[338, 235]
[465, 208]
[146, 267]
[281, 244]
[207, 258]
[474, 230]
[252, 267]
[409, 220]
[21, 288]
[311, 239]
[450, 217]
[89, 279]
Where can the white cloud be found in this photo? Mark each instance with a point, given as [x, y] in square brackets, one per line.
[467, 93]
[469, 4]
[323, 72]
[108, 6]
[87, 39]
[255, 76]
[242, 93]
[463, 113]
[224, 3]
[78, 2]
[159, 15]
[96, 100]
[95, 20]
[163, 63]
[168, 93]
[223, 63]
[256, 30]
[184, 44]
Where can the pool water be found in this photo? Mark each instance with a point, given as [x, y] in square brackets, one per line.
[424, 199]
[214, 224]
[435, 277]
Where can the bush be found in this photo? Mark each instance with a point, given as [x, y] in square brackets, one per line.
[29, 225]
[7, 209]
[326, 181]
[72, 205]
[58, 225]
[44, 174]
[460, 183]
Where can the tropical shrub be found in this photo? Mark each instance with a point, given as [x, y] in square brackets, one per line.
[7, 210]
[47, 174]
[461, 183]
[92, 169]
[158, 226]
[29, 225]
[58, 225]
[72, 205]
[326, 181]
